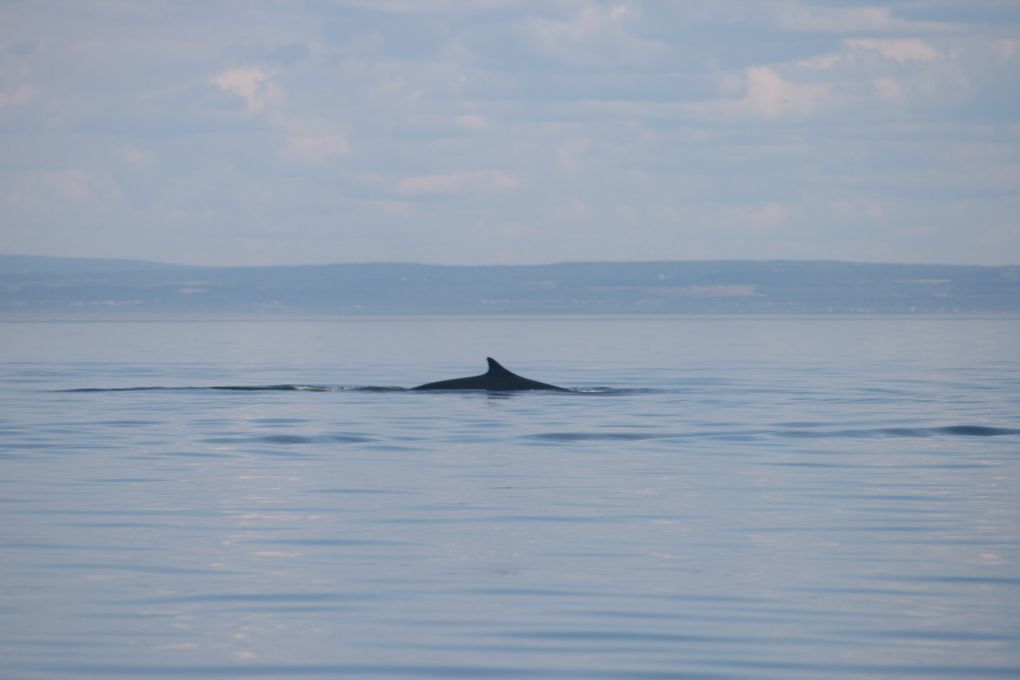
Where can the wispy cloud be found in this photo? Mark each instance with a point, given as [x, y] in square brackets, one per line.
[254, 86]
[312, 141]
[900, 50]
[317, 148]
[457, 182]
[50, 188]
[18, 96]
[425, 6]
[594, 34]
[765, 96]
[582, 128]
[799, 16]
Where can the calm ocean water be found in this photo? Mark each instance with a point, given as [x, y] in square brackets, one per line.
[724, 498]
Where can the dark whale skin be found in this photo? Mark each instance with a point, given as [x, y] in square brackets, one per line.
[496, 379]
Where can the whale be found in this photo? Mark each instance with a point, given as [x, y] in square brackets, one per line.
[496, 379]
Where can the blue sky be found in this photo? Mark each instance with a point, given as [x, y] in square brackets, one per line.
[510, 131]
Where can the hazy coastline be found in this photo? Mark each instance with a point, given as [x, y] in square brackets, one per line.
[44, 287]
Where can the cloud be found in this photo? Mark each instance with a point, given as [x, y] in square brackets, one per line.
[1006, 49]
[392, 208]
[769, 96]
[310, 141]
[866, 71]
[253, 86]
[890, 90]
[317, 148]
[795, 16]
[572, 211]
[69, 186]
[424, 6]
[901, 51]
[21, 95]
[570, 154]
[765, 217]
[470, 121]
[432, 115]
[594, 35]
[485, 181]
[74, 185]
[822, 62]
[134, 156]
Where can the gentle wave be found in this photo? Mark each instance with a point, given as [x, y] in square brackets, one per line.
[906, 432]
[291, 439]
[949, 430]
[243, 388]
[289, 387]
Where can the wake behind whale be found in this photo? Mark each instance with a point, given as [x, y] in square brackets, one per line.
[496, 379]
[499, 379]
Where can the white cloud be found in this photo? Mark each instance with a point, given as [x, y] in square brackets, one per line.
[392, 208]
[889, 89]
[425, 6]
[901, 51]
[317, 148]
[1007, 49]
[430, 112]
[595, 34]
[570, 154]
[21, 95]
[799, 17]
[485, 181]
[572, 211]
[254, 86]
[821, 62]
[764, 217]
[134, 156]
[771, 97]
[471, 121]
[858, 211]
[72, 186]
[864, 71]
[310, 141]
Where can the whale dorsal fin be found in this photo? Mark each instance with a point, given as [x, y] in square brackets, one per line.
[496, 379]
[495, 368]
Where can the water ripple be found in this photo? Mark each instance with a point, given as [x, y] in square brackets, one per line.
[798, 432]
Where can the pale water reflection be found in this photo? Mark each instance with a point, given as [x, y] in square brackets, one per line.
[727, 498]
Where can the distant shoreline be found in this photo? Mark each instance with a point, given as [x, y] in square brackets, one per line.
[132, 262]
[553, 318]
[57, 287]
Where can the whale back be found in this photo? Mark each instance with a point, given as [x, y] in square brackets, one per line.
[495, 379]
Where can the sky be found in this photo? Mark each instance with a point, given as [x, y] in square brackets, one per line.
[510, 131]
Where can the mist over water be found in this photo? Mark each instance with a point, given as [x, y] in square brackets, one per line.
[719, 498]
